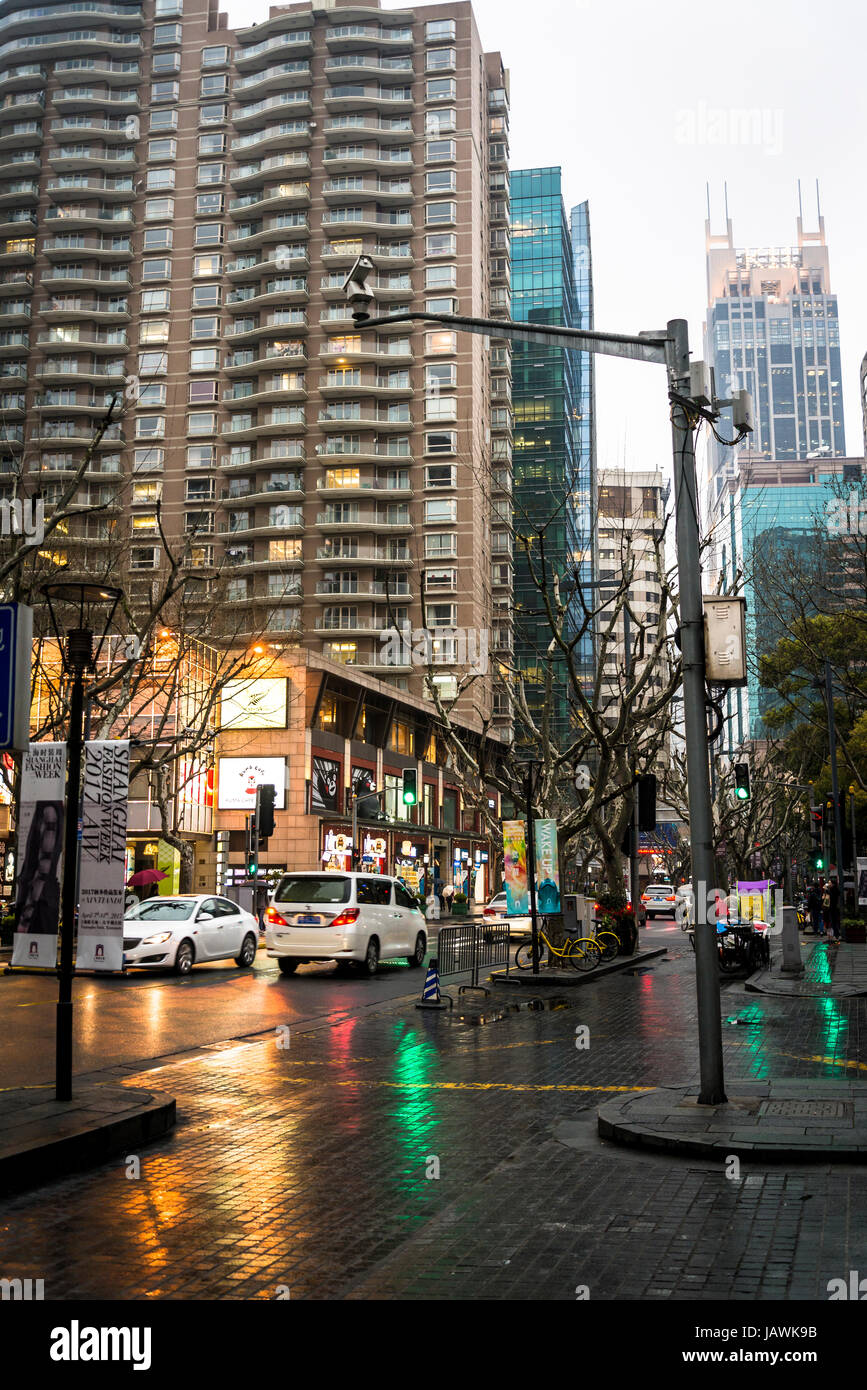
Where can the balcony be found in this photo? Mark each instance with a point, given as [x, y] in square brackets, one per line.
[68, 157]
[285, 195]
[283, 102]
[365, 487]
[289, 491]
[351, 553]
[377, 662]
[63, 401]
[388, 129]
[274, 292]
[240, 364]
[269, 422]
[349, 96]
[18, 191]
[363, 35]
[255, 55]
[18, 133]
[370, 64]
[19, 251]
[90, 340]
[87, 41]
[369, 220]
[382, 190]
[17, 221]
[396, 352]
[13, 311]
[351, 517]
[358, 158]
[90, 217]
[75, 432]
[380, 421]
[43, 18]
[278, 76]
[252, 174]
[349, 626]
[24, 75]
[87, 98]
[117, 248]
[272, 229]
[109, 190]
[291, 522]
[23, 103]
[347, 590]
[273, 137]
[266, 391]
[14, 163]
[294, 257]
[65, 307]
[341, 384]
[269, 456]
[82, 371]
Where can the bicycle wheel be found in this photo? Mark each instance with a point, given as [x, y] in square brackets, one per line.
[524, 955]
[608, 943]
[731, 960]
[584, 954]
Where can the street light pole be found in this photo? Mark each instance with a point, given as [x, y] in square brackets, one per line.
[634, 832]
[531, 865]
[79, 648]
[835, 781]
[712, 1088]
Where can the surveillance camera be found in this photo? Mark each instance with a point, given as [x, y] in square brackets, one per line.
[355, 290]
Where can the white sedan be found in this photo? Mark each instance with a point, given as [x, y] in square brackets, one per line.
[494, 914]
[175, 933]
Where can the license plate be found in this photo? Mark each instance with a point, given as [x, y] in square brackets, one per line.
[308, 919]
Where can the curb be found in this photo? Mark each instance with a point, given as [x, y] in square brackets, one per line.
[571, 978]
[68, 1137]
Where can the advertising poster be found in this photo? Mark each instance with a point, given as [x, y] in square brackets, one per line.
[238, 779]
[515, 868]
[325, 788]
[40, 851]
[102, 867]
[862, 881]
[547, 866]
[754, 900]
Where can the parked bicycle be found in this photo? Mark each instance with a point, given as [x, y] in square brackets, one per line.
[742, 948]
[581, 952]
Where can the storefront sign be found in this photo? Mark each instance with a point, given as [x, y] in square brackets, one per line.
[101, 895]
[40, 849]
[515, 867]
[547, 866]
[238, 779]
[325, 785]
[254, 704]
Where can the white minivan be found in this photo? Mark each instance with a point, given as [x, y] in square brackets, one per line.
[356, 919]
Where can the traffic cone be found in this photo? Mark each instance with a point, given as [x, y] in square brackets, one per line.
[430, 995]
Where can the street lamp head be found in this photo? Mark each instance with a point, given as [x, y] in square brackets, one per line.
[355, 288]
[88, 609]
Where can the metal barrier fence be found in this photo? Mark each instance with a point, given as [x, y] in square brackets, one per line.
[466, 949]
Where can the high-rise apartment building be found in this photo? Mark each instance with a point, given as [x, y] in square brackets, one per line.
[547, 444]
[772, 328]
[181, 203]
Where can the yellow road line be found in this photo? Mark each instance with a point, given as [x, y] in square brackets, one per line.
[471, 1085]
[829, 1061]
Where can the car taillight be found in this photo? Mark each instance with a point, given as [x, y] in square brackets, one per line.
[273, 917]
[489, 912]
[672, 899]
[346, 918]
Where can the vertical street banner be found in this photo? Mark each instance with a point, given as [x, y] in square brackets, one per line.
[40, 851]
[862, 882]
[515, 868]
[102, 870]
[547, 866]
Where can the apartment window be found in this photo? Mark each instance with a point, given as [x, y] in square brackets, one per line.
[162, 149]
[156, 269]
[441, 121]
[211, 173]
[444, 340]
[439, 375]
[205, 359]
[157, 179]
[154, 302]
[441, 89]
[436, 151]
[203, 392]
[207, 265]
[205, 326]
[149, 492]
[441, 475]
[443, 579]
[202, 422]
[153, 394]
[159, 209]
[214, 143]
[441, 615]
[202, 456]
[166, 34]
[165, 91]
[439, 213]
[200, 490]
[439, 31]
[444, 305]
[209, 234]
[440, 277]
[153, 363]
[213, 114]
[439, 544]
[441, 181]
[157, 330]
[441, 442]
[236, 590]
[164, 120]
[440, 59]
[144, 557]
[441, 408]
[147, 460]
[150, 427]
[206, 296]
[284, 550]
[157, 239]
[216, 57]
[215, 85]
[166, 62]
[441, 244]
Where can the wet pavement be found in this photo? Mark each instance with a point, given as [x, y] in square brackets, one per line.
[392, 1153]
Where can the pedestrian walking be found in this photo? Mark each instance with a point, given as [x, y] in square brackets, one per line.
[448, 894]
[833, 918]
[814, 907]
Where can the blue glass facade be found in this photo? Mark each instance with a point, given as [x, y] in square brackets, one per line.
[545, 403]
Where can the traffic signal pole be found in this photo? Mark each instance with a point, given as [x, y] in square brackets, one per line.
[835, 781]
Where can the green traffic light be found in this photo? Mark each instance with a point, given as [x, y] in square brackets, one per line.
[742, 794]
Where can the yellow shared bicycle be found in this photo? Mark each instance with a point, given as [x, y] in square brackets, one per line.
[581, 952]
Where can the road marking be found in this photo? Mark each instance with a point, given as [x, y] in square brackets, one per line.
[472, 1086]
[829, 1061]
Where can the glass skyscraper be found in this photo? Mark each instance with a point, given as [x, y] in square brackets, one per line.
[552, 405]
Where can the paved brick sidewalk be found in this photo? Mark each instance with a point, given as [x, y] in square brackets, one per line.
[311, 1168]
[835, 971]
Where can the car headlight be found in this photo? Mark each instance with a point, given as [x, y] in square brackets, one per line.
[158, 939]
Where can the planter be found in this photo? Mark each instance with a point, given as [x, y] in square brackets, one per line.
[855, 933]
[460, 910]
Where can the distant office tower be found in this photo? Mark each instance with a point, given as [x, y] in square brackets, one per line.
[772, 328]
[585, 493]
[552, 436]
[181, 203]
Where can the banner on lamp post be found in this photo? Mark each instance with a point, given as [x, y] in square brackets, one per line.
[515, 868]
[547, 866]
[102, 873]
[40, 852]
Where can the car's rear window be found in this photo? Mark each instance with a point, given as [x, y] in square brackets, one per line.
[313, 888]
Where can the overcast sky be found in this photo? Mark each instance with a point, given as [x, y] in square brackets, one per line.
[641, 103]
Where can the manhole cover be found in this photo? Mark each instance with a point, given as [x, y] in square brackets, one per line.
[806, 1109]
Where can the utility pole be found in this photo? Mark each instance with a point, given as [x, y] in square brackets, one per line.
[712, 1089]
[633, 829]
[835, 781]
[531, 866]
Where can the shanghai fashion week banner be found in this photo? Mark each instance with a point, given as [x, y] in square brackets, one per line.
[40, 850]
[101, 888]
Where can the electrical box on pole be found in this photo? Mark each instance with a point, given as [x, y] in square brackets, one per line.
[725, 640]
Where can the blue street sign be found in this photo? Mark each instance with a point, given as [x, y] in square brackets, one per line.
[16, 642]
